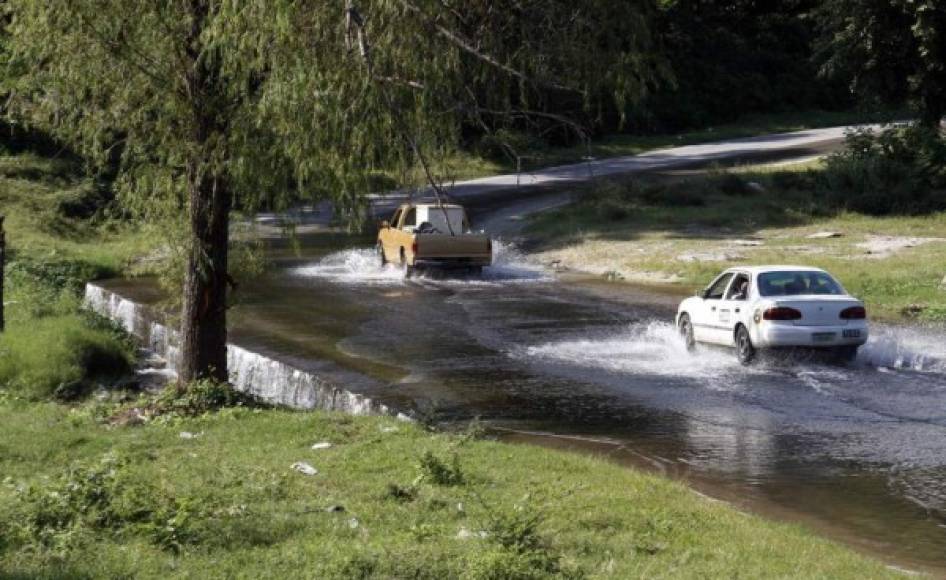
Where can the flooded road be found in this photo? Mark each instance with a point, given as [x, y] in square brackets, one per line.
[857, 450]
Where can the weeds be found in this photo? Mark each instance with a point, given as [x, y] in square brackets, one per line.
[518, 551]
[202, 397]
[401, 493]
[439, 472]
[103, 497]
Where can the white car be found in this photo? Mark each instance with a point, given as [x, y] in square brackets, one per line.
[771, 307]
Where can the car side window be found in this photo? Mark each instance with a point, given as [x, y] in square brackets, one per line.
[739, 290]
[716, 291]
[410, 220]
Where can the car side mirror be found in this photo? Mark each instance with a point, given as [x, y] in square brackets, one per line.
[702, 293]
[385, 224]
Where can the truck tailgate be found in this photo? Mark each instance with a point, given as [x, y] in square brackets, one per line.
[447, 246]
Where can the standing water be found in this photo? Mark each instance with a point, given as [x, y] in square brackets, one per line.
[857, 450]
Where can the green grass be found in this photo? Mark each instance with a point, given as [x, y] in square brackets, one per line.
[51, 348]
[683, 232]
[147, 503]
[50, 209]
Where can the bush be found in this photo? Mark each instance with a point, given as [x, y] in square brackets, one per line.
[202, 397]
[439, 472]
[518, 550]
[732, 184]
[899, 171]
[669, 196]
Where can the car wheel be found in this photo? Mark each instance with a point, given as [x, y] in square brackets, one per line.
[686, 331]
[408, 269]
[744, 349]
[847, 353]
[381, 256]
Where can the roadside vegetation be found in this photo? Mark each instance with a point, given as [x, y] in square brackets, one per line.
[59, 235]
[209, 491]
[874, 214]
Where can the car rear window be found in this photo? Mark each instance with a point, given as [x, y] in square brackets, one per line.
[797, 283]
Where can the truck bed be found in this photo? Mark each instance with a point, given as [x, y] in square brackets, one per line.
[462, 248]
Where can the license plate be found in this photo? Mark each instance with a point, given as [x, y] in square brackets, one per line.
[852, 333]
[822, 336]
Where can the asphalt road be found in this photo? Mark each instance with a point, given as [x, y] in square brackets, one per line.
[506, 190]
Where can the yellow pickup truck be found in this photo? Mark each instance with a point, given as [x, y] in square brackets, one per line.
[421, 235]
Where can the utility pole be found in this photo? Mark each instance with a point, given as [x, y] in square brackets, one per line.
[3, 261]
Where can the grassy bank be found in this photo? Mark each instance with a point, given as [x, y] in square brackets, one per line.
[56, 214]
[390, 500]
[682, 231]
[59, 236]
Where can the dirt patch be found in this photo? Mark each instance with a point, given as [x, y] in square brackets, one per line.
[880, 247]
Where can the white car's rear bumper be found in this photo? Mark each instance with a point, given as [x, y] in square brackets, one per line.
[779, 335]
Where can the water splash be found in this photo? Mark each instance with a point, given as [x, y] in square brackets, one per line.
[896, 347]
[363, 267]
[653, 348]
[355, 266]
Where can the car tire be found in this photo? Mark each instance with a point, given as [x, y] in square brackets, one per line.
[745, 351]
[381, 256]
[686, 332]
[847, 353]
[408, 269]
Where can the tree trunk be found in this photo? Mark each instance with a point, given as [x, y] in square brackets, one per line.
[204, 315]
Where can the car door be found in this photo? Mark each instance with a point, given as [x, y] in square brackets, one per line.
[730, 309]
[389, 237]
[706, 319]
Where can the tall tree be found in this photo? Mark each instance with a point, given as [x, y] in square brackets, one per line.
[212, 105]
[888, 52]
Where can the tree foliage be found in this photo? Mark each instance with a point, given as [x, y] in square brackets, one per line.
[736, 57]
[888, 52]
[209, 105]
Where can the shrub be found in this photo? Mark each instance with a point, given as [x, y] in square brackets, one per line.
[518, 550]
[669, 196]
[439, 472]
[732, 184]
[201, 397]
[899, 171]
[400, 493]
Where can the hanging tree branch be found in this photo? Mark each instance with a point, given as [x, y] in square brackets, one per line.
[355, 28]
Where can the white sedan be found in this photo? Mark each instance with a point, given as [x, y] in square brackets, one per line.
[771, 307]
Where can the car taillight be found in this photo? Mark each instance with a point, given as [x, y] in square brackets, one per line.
[781, 313]
[414, 247]
[854, 313]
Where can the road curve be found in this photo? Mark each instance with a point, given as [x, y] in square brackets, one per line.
[509, 187]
